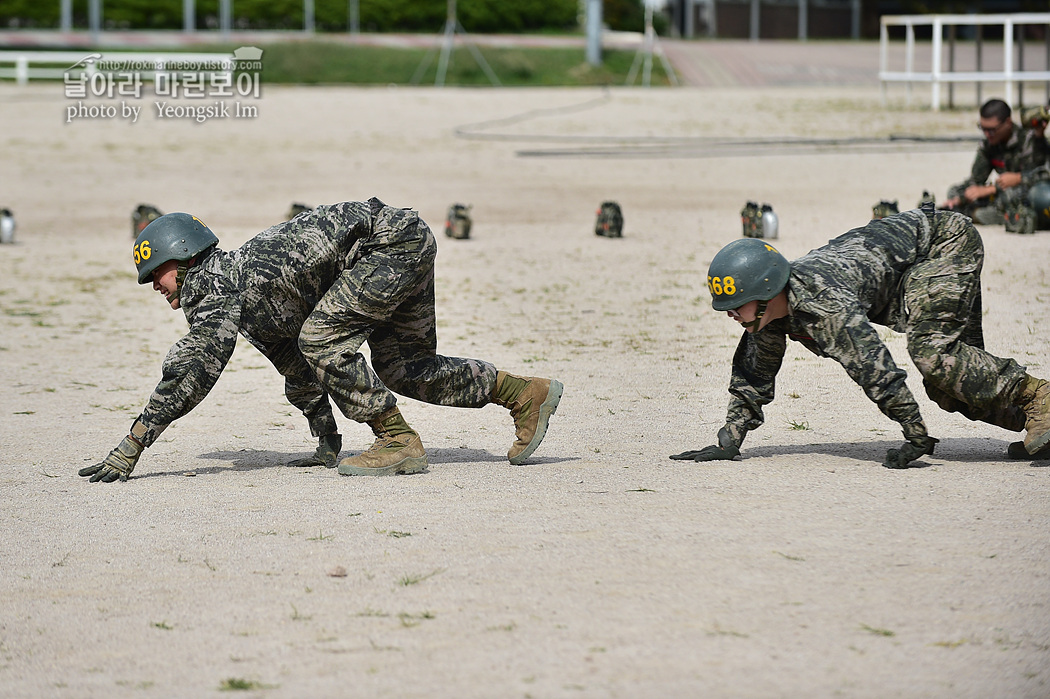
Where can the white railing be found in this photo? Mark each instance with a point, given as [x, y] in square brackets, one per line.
[937, 76]
[27, 63]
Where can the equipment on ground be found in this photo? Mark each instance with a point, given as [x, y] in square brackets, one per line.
[297, 208]
[7, 226]
[885, 208]
[142, 216]
[759, 221]
[610, 220]
[1039, 200]
[458, 222]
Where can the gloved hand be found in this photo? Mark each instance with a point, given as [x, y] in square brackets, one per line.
[912, 449]
[711, 453]
[328, 447]
[119, 464]
[725, 450]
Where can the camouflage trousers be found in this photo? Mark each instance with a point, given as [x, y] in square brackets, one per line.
[942, 297]
[387, 299]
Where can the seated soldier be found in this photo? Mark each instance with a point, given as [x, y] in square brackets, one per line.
[1018, 155]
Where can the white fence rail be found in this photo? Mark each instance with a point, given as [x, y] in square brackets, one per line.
[937, 75]
[30, 65]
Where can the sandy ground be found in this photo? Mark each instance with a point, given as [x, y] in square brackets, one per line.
[598, 569]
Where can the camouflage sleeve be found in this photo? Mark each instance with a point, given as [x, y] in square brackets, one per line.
[753, 382]
[193, 364]
[301, 385]
[981, 170]
[853, 342]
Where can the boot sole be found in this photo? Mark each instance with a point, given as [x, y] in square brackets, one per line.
[1017, 450]
[549, 407]
[412, 464]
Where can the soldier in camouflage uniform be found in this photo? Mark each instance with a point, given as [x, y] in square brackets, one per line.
[308, 293]
[1019, 155]
[918, 272]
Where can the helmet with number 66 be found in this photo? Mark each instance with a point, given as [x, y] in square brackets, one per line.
[745, 270]
[171, 237]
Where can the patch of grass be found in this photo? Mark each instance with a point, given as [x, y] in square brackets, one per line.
[238, 684]
[393, 533]
[410, 620]
[407, 580]
[798, 425]
[327, 62]
[877, 632]
[320, 537]
[161, 625]
[790, 558]
[719, 631]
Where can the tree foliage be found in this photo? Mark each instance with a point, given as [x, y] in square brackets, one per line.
[490, 16]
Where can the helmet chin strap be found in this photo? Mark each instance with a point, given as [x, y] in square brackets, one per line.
[180, 276]
[760, 310]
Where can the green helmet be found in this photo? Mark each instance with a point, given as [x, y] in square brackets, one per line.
[170, 237]
[745, 270]
[1039, 199]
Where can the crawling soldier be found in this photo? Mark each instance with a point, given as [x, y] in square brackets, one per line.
[918, 272]
[308, 293]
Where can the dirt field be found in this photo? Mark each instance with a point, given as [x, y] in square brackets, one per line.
[598, 569]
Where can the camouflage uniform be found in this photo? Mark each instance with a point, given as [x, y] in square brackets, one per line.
[916, 272]
[1026, 152]
[308, 293]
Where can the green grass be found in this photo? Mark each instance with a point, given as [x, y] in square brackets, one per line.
[328, 62]
[320, 62]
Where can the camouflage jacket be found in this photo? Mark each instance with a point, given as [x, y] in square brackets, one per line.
[1025, 152]
[263, 290]
[835, 295]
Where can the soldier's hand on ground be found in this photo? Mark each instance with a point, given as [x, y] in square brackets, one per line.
[711, 453]
[328, 447]
[726, 450]
[118, 465]
[913, 449]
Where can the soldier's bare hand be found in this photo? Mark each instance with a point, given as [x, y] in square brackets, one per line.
[1009, 179]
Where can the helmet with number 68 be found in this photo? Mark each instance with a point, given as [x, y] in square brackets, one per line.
[745, 270]
[171, 237]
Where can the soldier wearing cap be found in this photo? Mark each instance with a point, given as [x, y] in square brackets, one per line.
[308, 293]
[918, 272]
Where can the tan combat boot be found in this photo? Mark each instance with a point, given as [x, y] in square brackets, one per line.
[531, 402]
[1035, 401]
[397, 449]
